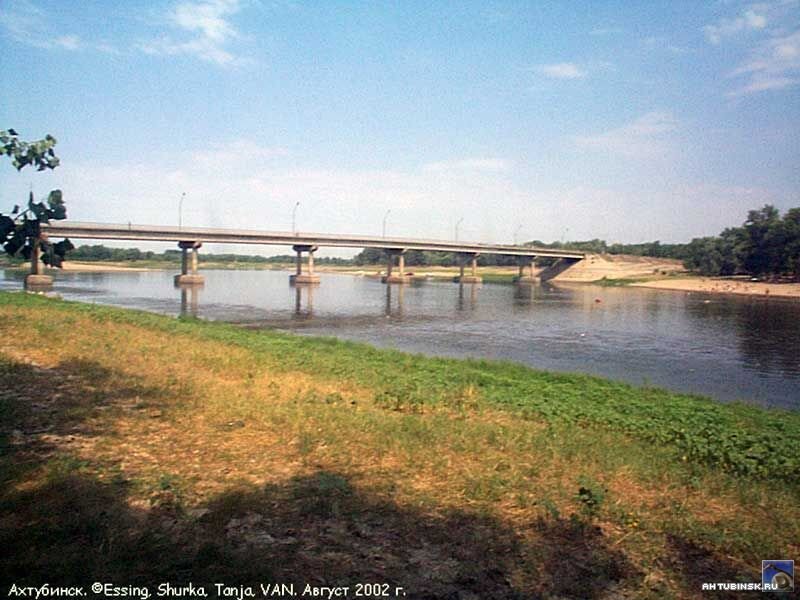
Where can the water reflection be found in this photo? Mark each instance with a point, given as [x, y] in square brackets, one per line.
[304, 311]
[767, 330]
[727, 347]
[467, 300]
[523, 295]
[190, 299]
[396, 310]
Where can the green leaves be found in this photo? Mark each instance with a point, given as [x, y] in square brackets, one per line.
[14, 242]
[57, 209]
[38, 209]
[22, 230]
[39, 153]
[61, 248]
[6, 226]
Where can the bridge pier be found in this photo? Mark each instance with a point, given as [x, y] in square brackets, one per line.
[36, 279]
[307, 278]
[529, 263]
[400, 276]
[473, 277]
[189, 261]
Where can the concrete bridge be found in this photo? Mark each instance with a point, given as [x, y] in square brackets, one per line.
[190, 239]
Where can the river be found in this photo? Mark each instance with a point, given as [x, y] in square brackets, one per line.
[726, 347]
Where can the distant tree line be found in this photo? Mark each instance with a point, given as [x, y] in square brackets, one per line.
[766, 245]
[373, 256]
[104, 253]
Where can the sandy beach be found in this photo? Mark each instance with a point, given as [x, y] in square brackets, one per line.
[98, 267]
[725, 286]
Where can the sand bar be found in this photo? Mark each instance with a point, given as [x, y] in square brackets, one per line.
[725, 286]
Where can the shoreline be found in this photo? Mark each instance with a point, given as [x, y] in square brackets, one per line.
[502, 275]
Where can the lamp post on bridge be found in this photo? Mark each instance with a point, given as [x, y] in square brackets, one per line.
[386, 216]
[516, 233]
[294, 215]
[461, 220]
[180, 210]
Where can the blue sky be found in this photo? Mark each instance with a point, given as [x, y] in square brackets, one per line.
[628, 121]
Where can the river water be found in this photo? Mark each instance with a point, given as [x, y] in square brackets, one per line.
[727, 347]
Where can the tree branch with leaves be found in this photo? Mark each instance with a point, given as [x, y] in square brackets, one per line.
[21, 231]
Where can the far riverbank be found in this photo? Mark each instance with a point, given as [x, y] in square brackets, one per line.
[619, 270]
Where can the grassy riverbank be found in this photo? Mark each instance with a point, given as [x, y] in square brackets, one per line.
[138, 448]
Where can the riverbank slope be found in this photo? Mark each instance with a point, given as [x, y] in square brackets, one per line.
[139, 448]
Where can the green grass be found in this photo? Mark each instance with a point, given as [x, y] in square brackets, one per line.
[498, 277]
[621, 282]
[734, 437]
[150, 419]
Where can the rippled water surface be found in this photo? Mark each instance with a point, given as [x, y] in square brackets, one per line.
[730, 348]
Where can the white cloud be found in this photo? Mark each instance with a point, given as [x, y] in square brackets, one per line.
[27, 24]
[647, 136]
[774, 64]
[207, 17]
[207, 22]
[606, 31]
[656, 42]
[468, 164]
[562, 71]
[69, 42]
[751, 19]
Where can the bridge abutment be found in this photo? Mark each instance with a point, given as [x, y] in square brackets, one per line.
[308, 277]
[189, 264]
[558, 267]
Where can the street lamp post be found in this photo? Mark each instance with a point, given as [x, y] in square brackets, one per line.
[386, 216]
[516, 233]
[458, 225]
[180, 210]
[294, 215]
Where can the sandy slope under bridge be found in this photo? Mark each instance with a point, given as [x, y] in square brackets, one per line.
[619, 266]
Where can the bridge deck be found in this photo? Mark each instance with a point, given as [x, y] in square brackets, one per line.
[105, 231]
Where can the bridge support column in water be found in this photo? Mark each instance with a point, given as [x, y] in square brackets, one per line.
[36, 279]
[400, 276]
[307, 278]
[523, 277]
[189, 274]
[473, 277]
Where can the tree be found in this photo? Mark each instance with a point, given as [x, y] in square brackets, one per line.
[791, 223]
[20, 232]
